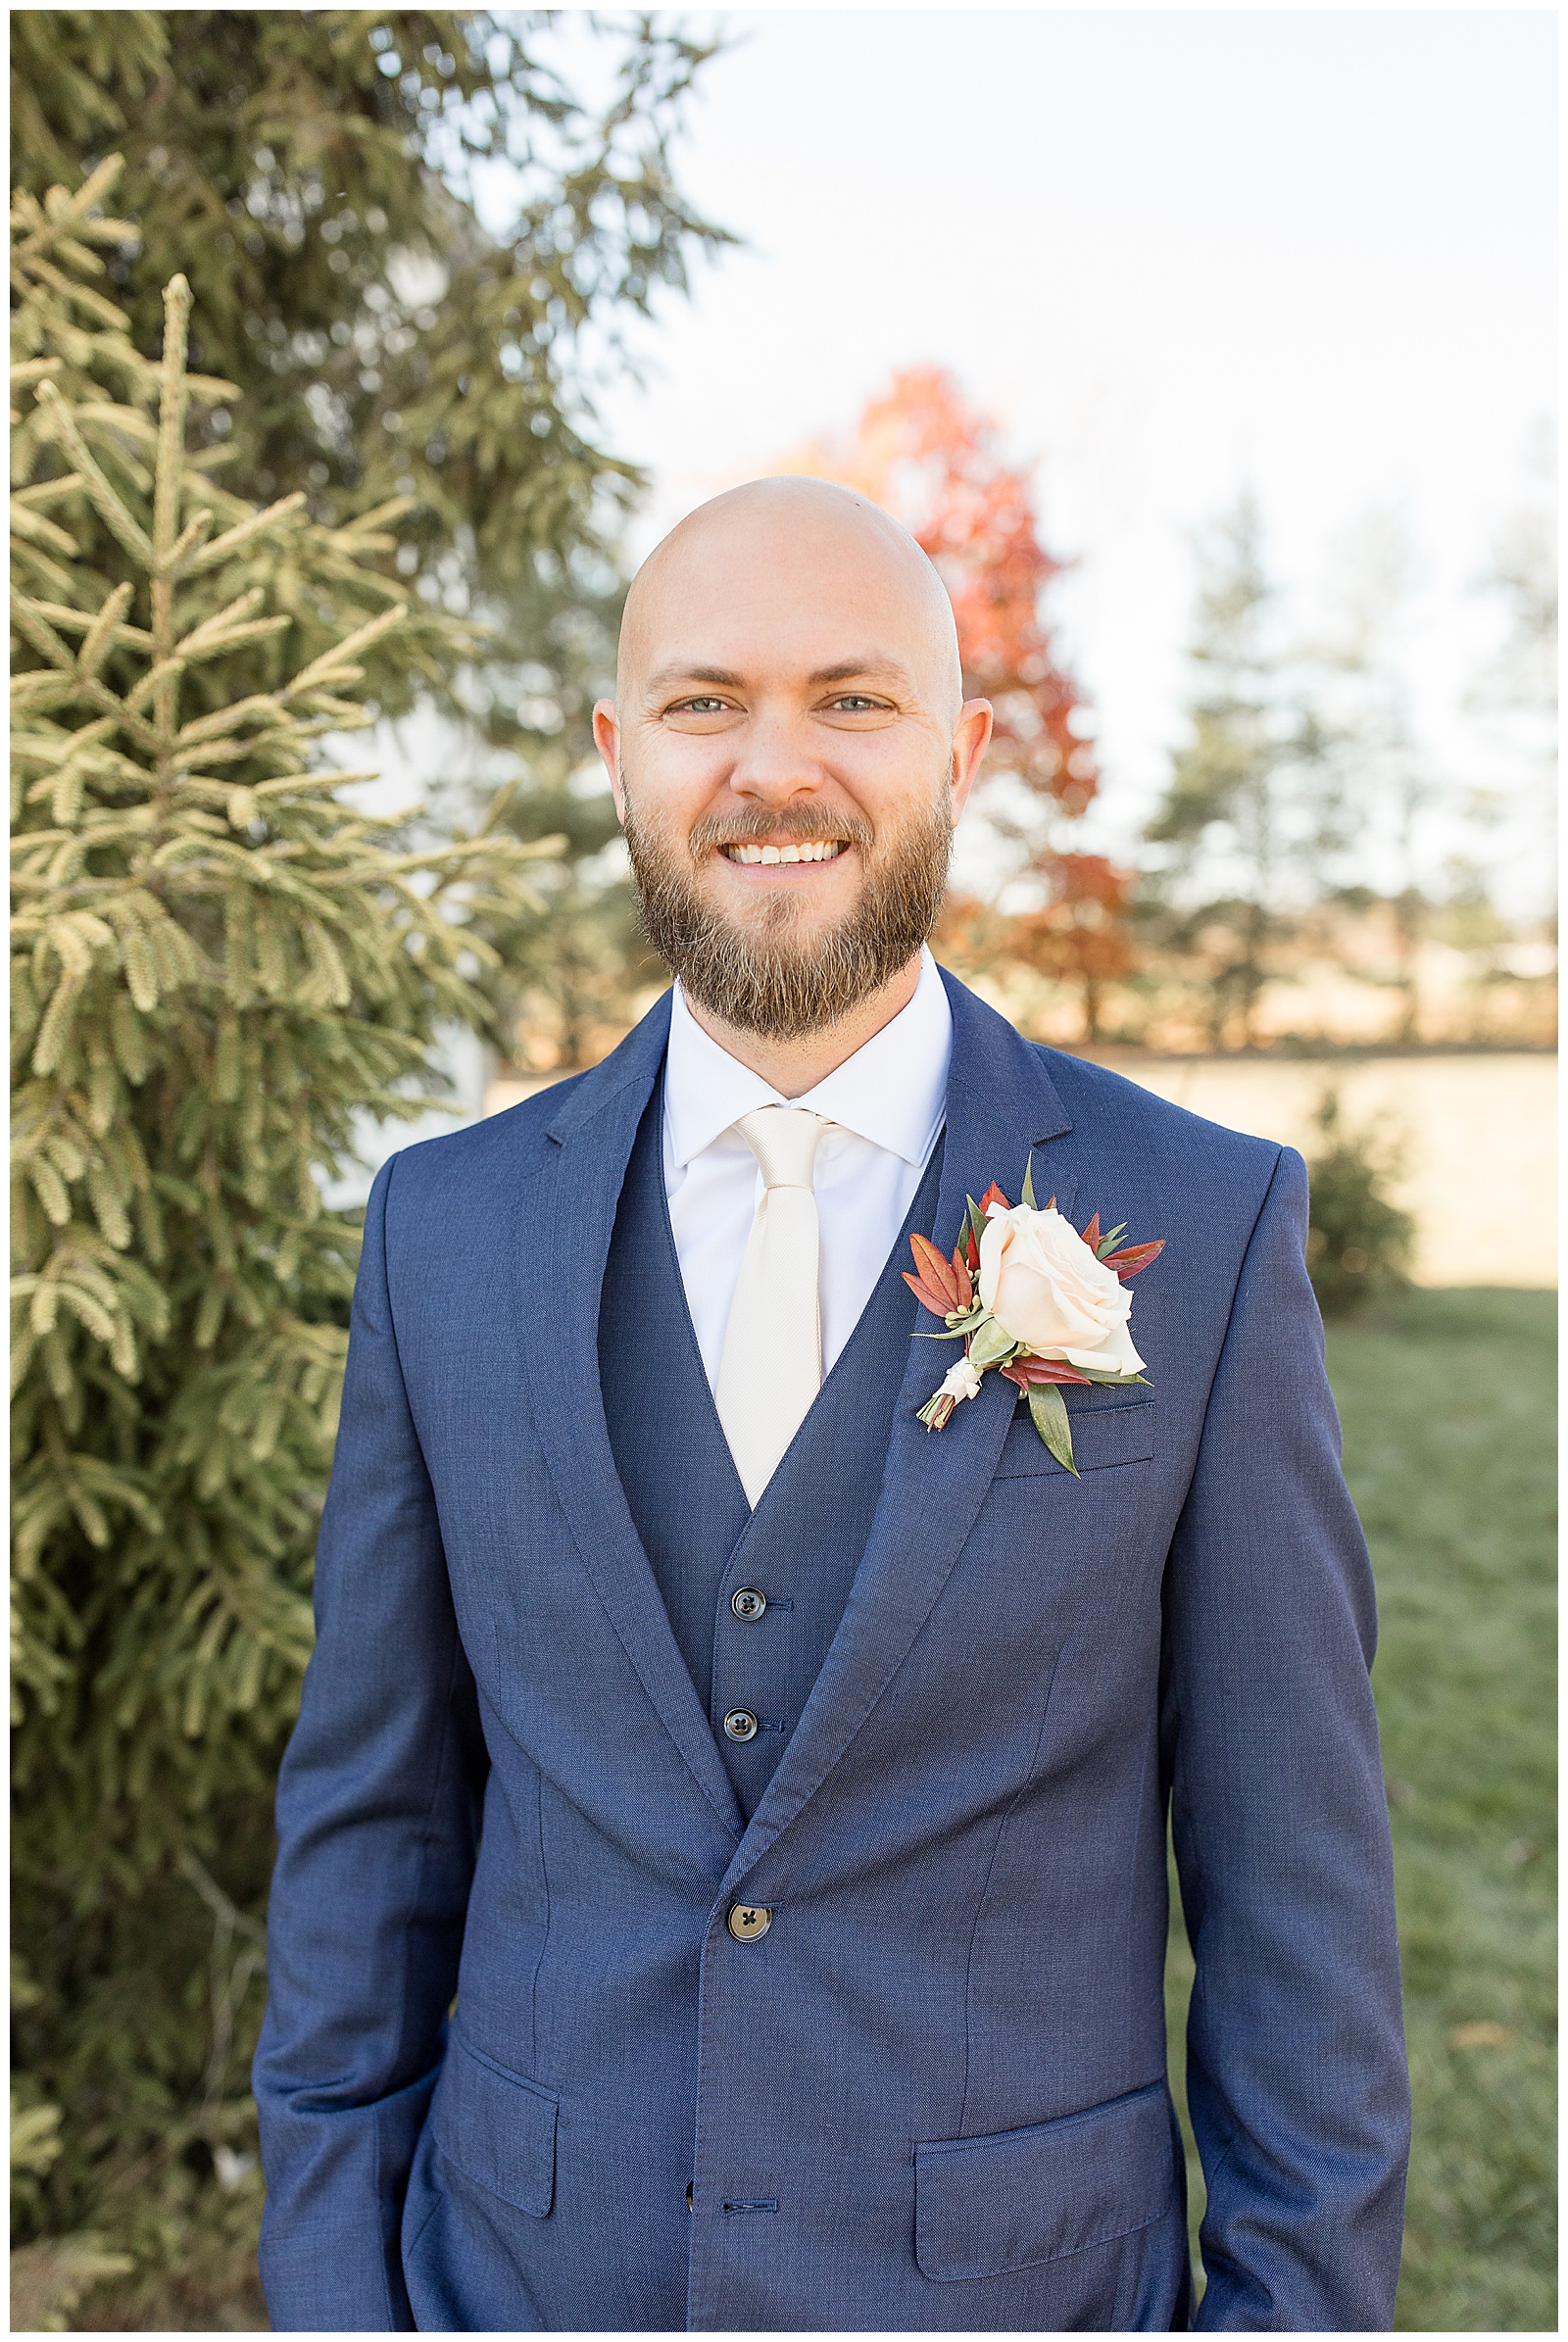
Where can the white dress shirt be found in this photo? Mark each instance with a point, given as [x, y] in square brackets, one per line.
[887, 1103]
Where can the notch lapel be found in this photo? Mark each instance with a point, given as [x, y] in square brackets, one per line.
[1001, 1103]
[576, 1197]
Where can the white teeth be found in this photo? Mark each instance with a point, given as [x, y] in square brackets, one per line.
[819, 849]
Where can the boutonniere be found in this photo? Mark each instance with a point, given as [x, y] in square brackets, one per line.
[1026, 1293]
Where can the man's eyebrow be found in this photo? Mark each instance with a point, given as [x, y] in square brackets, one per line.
[668, 676]
[875, 662]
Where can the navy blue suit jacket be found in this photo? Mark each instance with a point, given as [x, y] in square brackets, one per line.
[509, 2026]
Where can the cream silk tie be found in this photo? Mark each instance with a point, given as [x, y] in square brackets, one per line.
[771, 1367]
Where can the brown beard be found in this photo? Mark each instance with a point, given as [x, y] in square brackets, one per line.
[769, 981]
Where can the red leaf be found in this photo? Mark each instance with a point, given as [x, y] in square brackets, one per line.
[937, 1303]
[1091, 1233]
[961, 1273]
[972, 1253]
[993, 1195]
[1024, 1370]
[1133, 1257]
[937, 1271]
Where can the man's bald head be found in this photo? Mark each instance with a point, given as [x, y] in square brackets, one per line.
[783, 540]
[788, 750]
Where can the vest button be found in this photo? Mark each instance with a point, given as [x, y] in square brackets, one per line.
[741, 1725]
[747, 1602]
[748, 1921]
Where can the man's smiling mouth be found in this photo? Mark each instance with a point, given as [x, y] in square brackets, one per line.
[813, 850]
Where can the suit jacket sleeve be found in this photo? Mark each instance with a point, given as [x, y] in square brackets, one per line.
[1296, 2078]
[377, 1819]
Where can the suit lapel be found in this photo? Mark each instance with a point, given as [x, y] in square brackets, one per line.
[1001, 1103]
[575, 1201]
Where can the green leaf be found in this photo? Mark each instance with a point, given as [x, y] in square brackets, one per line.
[992, 1343]
[1049, 1410]
[1108, 1244]
[1114, 1382]
[1029, 1182]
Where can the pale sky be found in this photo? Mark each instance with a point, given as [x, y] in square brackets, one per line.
[1168, 251]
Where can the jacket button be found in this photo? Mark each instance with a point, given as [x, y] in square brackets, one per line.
[748, 1921]
[741, 1725]
[747, 1602]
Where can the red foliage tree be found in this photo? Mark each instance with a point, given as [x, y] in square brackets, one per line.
[925, 454]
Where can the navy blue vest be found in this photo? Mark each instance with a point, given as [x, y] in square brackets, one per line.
[711, 1555]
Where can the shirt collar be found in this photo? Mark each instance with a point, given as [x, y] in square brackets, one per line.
[892, 1092]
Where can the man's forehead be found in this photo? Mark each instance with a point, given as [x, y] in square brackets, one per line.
[789, 575]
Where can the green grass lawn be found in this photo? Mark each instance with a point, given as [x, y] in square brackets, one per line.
[1448, 1400]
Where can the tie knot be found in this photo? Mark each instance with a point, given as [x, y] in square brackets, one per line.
[784, 1141]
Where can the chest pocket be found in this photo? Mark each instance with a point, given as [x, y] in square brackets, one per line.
[1119, 1432]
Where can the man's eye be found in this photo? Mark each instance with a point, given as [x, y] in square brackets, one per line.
[855, 702]
[699, 707]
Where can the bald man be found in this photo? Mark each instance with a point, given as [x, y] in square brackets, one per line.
[722, 1855]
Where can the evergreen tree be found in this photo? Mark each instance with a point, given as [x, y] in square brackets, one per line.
[218, 963]
[1251, 806]
[1515, 692]
[1389, 773]
[314, 177]
[411, 242]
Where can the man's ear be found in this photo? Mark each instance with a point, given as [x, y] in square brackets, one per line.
[970, 739]
[606, 740]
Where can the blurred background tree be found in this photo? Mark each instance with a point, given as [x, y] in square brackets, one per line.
[1312, 872]
[1515, 692]
[1390, 783]
[923, 454]
[1250, 803]
[415, 241]
[409, 245]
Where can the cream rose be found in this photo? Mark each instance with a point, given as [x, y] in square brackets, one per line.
[1044, 1285]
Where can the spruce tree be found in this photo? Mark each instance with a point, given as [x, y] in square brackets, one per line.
[219, 962]
[1252, 803]
[316, 175]
[414, 238]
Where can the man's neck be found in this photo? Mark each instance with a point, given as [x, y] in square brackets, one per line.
[795, 1066]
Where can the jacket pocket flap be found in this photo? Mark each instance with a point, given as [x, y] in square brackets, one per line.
[1020, 2197]
[1117, 1435]
[497, 2129]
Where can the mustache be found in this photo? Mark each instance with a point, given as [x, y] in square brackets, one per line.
[793, 825]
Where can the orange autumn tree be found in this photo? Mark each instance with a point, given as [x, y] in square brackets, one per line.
[927, 456]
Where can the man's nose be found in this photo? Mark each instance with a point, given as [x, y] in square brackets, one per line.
[775, 763]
